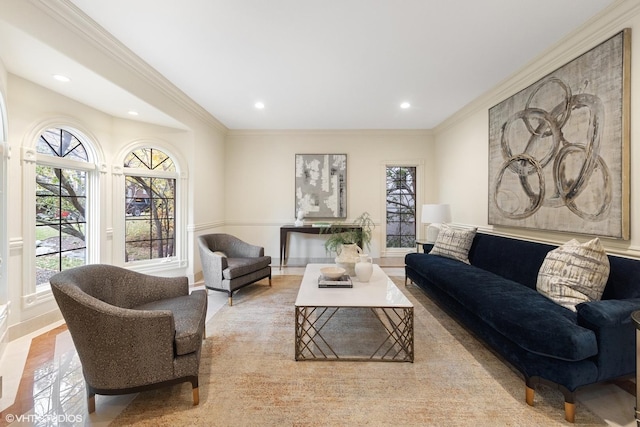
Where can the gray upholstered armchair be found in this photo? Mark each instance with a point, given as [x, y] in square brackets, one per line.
[132, 331]
[229, 263]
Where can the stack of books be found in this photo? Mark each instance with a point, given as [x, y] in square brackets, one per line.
[321, 224]
[342, 282]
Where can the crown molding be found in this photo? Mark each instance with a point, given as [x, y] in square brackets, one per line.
[331, 132]
[601, 27]
[72, 18]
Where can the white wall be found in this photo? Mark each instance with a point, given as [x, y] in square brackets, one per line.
[259, 195]
[462, 141]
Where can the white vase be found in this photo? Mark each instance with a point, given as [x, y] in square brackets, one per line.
[364, 268]
[347, 257]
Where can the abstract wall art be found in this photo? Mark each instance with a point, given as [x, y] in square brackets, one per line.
[559, 149]
[321, 185]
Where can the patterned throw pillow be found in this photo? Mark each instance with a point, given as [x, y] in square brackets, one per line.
[454, 243]
[574, 273]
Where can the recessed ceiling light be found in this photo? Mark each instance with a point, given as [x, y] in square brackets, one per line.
[133, 113]
[61, 78]
[405, 105]
[259, 105]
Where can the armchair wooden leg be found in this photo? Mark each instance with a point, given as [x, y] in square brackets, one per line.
[269, 280]
[91, 402]
[196, 396]
[196, 393]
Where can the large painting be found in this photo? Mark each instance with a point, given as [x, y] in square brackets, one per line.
[559, 149]
[321, 185]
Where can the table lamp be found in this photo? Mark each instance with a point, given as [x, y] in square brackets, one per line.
[435, 215]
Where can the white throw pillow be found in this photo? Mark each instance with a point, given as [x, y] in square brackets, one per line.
[454, 243]
[574, 273]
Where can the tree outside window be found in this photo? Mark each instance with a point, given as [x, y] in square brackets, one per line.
[401, 206]
[61, 202]
[150, 187]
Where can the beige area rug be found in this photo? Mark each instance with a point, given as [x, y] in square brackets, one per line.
[248, 377]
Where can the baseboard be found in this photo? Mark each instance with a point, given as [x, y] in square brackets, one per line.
[31, 325]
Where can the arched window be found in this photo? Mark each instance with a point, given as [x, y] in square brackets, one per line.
[62, 173]
[150, 205]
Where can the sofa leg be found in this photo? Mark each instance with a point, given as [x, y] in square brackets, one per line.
[570, 412]
[569, 396]
[230, 301]
[529, 394]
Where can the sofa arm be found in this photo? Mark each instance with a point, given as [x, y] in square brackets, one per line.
[607, 313]
[615, 334]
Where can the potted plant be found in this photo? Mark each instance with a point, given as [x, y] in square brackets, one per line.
[338, 236]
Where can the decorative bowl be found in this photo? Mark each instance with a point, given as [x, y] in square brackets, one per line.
[332, 272]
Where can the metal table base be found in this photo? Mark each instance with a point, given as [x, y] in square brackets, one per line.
[396, 345]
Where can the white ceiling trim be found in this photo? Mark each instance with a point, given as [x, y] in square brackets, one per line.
[73, 18]
[331, 132]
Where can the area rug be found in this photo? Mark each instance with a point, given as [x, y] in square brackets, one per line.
[248, 377]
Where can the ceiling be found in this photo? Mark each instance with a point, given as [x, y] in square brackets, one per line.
[333, 64]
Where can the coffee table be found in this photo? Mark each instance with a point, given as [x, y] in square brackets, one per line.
[318, 309]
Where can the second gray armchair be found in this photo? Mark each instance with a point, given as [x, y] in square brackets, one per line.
[229, 263]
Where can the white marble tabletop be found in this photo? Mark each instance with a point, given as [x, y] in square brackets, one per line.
[379, 291]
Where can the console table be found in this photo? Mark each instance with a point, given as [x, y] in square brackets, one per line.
[308, 229]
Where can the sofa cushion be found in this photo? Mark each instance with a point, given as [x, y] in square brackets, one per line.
[513, 259]
[624, 276]
[237, 267]
[574, 273]
[454, 243]
[519, 313]
[189, 313]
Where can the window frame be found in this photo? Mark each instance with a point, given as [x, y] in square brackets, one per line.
[155, 265]
[419, 165]
[32, 294]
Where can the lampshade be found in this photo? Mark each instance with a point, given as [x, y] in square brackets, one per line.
[436, 214]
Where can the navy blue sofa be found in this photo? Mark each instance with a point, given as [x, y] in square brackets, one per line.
[495, 297]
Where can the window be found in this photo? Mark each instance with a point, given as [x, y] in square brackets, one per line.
[61, 200]
[150, 205]
[401, 206]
